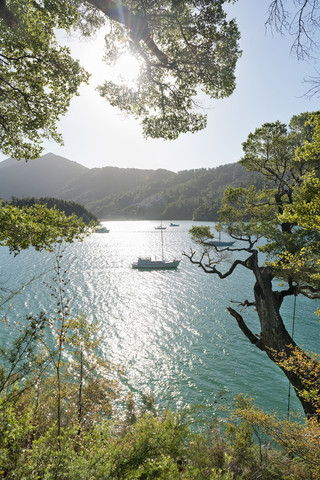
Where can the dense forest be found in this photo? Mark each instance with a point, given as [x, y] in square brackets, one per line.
[187, 195]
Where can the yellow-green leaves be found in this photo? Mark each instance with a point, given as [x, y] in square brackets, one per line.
[37, 226]
[201, 50]
[302, 260]
[38, 78]
[200, 234]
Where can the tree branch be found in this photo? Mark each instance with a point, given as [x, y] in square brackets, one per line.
[209, 268]
[136, 24]
[243, 327]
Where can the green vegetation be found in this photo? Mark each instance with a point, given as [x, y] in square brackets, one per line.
[285, 213]
[59, 400]
[38, 77]
[182, 47]
[189, 194]
[37, 226]
[68, 208]
[60, 418]
[64, 416]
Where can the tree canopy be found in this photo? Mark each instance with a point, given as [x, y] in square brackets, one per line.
[37, 226]
[38, 77]
[284, 215]
[182, 48]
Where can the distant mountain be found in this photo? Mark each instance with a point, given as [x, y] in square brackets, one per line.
[98, 183]
[124, 193]
[190, 194]
[42, 177]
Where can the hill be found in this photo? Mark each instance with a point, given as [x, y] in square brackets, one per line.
[42, 177]
[124, 193]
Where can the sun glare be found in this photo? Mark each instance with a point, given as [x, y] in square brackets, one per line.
[127, 68]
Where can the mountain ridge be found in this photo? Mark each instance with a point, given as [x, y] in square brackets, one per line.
[124, 193]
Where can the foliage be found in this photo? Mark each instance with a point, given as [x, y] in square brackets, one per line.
[37, 226]
[287, 158]
[59, 420]
[68, 208]
[127, 193]
[182, 47]
[280, 220]
[201, 234]
[303, 262]
[38, 77]
[299, 439]
[198, 50]
[182, 196]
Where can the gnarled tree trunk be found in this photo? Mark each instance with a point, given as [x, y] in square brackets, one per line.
[275, 340]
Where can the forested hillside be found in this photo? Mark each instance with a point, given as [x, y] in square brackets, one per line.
[189, 194]
[124, 193]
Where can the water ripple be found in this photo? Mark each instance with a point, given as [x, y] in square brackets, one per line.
[170, 329]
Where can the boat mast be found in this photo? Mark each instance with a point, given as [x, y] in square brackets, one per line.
[162, 241]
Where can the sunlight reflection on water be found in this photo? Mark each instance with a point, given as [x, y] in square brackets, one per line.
[170, 329]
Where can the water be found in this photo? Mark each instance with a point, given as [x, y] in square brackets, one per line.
[169, 329]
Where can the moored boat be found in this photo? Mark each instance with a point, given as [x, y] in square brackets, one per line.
[103, 230]
[145, 263]
[219, 243]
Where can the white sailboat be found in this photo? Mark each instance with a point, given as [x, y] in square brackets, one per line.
[146, 263]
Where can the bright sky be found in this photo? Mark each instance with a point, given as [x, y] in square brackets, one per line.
[269, 87]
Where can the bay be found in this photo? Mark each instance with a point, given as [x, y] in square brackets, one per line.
[169, 329]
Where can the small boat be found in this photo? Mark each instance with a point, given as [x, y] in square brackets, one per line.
[102, 230]
[219, 243]
[146, 263]
[160, 227]
[174, 224]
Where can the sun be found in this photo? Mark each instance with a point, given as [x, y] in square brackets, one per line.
[127, 68]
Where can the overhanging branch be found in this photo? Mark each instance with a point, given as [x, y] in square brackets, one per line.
[209, 268]
[243, 327]
[136, 24]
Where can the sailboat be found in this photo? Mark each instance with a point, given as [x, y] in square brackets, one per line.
[219, 243]
[160, 227]
[146, 263]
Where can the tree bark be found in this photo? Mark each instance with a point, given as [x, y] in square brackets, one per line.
[278, 343]
[136, 24]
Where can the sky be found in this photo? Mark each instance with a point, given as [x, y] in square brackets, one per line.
[270, 87]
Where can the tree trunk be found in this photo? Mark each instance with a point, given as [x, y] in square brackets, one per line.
[278, 343]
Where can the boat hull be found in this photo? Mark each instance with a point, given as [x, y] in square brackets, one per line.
[218, 244]
[148, 264]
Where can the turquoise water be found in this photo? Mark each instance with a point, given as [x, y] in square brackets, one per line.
[169, 329]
